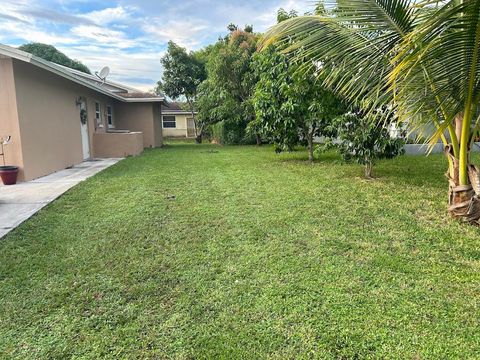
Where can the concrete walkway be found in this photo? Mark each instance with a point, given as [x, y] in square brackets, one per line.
[19, 202]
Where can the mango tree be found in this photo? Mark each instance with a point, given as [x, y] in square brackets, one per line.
[291, 106]
[420, 60]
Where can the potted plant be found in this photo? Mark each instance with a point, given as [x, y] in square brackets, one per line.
[8, 174]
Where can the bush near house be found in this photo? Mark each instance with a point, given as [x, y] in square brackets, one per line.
[228, 132]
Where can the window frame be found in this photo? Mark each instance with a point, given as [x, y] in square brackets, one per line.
[98, 114]
[174, 121]
[110, 122]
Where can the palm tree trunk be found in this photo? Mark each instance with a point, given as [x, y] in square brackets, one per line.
[463, 177]
[463, 199]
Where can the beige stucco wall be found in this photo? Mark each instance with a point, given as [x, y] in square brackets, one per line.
[157, 124]
[9, 124]
[118, 144]
[39, 110]
[142, 117]
[49, 119]
[181, 126]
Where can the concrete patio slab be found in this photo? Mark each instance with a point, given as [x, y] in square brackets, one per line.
[19, 202]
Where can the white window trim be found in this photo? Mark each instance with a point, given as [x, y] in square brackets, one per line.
[163, 121]
[98, 120]
[112, 125]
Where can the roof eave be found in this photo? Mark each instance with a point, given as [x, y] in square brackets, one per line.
[178, 112]
[50, 67]
[140, 100]
[56, 69]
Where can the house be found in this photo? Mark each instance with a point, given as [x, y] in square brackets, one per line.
[58, 117]
[177, 122]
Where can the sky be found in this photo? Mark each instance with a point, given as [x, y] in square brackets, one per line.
[130, 36]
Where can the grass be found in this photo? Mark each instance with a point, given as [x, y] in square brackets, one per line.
[257, 255]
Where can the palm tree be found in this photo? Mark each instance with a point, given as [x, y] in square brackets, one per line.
[420, 60]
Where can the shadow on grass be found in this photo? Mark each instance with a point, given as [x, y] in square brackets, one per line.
[414, 170]
[301, 156]
[405, 170]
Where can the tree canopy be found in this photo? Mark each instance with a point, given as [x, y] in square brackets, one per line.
[183, 72]
[291, 106]
[225, 96]
[364, 141]
[50, 53]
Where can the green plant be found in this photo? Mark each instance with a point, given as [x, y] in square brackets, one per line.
[228, 132]
[183, 72]
[291, 106]
[226, 93]
[436, 77]
[50, 53]
[364, 141]
[420, 60]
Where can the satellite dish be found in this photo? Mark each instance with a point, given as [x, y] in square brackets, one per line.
[103, 73]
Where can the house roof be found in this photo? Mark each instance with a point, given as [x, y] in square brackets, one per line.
[111, 85]
[137, 95]
[115, 90]
[173, 107]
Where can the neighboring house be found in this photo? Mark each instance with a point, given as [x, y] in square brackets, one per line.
[177, 122]
[58, 117]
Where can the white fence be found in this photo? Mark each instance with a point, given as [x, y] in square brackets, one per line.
[422, 149]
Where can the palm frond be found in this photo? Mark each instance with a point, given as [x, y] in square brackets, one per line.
[354, 46]
[448, 45]
[356, 64]
[396, 17]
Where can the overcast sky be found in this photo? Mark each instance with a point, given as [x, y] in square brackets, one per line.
[130, 36]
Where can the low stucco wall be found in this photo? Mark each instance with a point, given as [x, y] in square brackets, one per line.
[108, 145]
[142, 117]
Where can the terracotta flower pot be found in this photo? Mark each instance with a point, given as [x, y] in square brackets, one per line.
[8, 174]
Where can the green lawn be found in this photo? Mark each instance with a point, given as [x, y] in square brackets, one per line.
[258, 256]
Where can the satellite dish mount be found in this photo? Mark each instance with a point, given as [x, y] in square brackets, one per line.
[102, 75]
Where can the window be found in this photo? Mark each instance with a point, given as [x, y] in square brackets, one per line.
[110, 117]
[169, 122]
[98, 117]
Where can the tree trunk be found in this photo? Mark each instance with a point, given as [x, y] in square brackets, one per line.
[198, 134]
[310, 143]
[259, 139]
[463, 200]
[368, 170]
